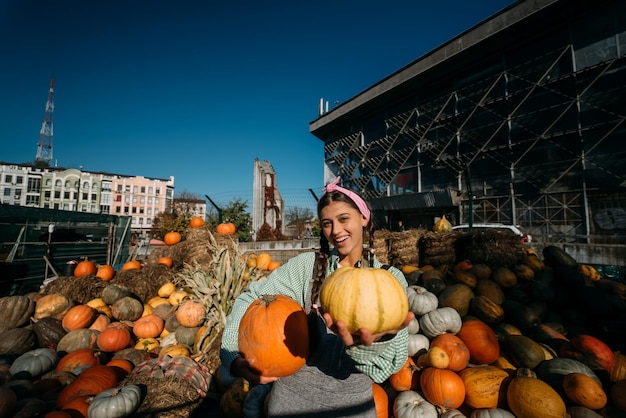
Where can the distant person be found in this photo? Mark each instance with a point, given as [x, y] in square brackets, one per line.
[336, 380]
[400, 226]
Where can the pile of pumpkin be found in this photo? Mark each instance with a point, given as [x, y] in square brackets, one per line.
[495, 342]
[63, 358]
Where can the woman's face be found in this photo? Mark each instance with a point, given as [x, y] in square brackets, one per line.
[343, 225]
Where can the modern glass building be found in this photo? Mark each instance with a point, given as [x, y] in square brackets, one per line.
[518, 120]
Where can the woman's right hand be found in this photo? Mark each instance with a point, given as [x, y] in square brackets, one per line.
[241, 368]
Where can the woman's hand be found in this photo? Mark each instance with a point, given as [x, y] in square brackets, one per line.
[241, 368]
[362, 336]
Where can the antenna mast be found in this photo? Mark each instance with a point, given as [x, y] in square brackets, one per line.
[44, 148]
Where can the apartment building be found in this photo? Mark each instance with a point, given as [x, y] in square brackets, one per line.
[141, 198]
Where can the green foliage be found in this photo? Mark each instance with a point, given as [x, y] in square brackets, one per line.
[235, 213]
[165, 222]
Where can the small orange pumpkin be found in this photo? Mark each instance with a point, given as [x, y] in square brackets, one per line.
[167, 261]
[148, 326]
[131, 265]
[481, 341]
[442, 387]
[172, 238]
[274, 336]
[77, 358]
[85, 268]
[407, 378]
[78, 317]
[196, 222]
[273, 265]
[114, 339]
[455, 348]
[105, 272]
[226, 228]
[381, 400]
[191, 313]
[584, 390]
[263, 261]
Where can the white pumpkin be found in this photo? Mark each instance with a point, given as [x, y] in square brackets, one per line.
[421, 300]
[440, 321]
[418, 343]
[410, 404]
[491, 413]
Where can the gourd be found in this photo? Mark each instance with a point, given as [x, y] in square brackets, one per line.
[370, 298]
[226, 228]
[529, 397]
[410, 404]
[79, 338]
[490, 289]
[457, 296]
[486, 310]
[49, 332]
[481, 271]
[442, 225]
[263, 261]
[407, 378]
[34, 363]
[166, 261]
[585, 391]
[17, 341]
[114, 292]
[115, 402]
[91, 381]
[172, 238]
[78, 358]
[482, 386]
[524, 351]
[15, 311]
[381, 400]
[53, 304]
[196, 222]
[131, 265]
[127, 309]
[491, 413]
[417, 344]
[273, 335]
[553, 371]
[421, 301]
[85, 268]
[481, 341]
[442, 387]
[589, 350]
[440, 321]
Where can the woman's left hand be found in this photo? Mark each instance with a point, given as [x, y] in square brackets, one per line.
[362, 336]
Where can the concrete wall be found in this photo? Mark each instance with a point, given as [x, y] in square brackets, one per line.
[596, 254]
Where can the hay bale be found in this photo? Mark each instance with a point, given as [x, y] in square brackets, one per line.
[491, 247]
[79, 289]
[144, 283]
[435, 248]
[381, 245]
[165, 397]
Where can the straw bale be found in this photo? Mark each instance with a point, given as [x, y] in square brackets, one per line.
[437, 248]
[79, 289]
[381, 245]
[144, 283]
[165, 397]
[494, 248]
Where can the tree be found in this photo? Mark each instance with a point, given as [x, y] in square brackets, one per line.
[235, 213]
[299, 217]
[167, 221]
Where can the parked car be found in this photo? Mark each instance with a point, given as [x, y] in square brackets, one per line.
[526, 238]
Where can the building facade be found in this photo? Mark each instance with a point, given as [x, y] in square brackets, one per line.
[268, 205]
[518, 120]
[138, 197]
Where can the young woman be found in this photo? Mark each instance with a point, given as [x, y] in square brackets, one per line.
[337, 379]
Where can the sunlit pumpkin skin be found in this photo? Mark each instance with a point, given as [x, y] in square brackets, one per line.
[166, 290]
[175, 350]
[191, 313]
[77, 358]
[91, 381]
[131, 265]
[148, 326]
[105, 272]
[166, 261]
[196, 222]
[85, 268]
[114, 339]
[529, 397]
[481, 341]
[54, 305]
[263, 261]
[584, 390]
[370, 298]
[226, 228]
[274, 336]
[172, 238]
[483, 386]
[273, 265]
[442, 387]
[442, 225]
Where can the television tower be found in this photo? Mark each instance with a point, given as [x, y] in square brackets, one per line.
[44, 148]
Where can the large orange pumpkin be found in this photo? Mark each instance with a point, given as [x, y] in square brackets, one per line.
[483, 386]
[105, 272]
[274, 336]
[196, 222]
[442, 387]
[85, 268]
[370, 298]
[172, 238]
[226, 228]
[481, 341]
[79, 316]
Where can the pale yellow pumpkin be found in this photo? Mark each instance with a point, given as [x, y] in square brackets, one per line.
[166, 290]
[370, 298]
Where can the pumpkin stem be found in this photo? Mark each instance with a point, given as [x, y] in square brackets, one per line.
[265, 300]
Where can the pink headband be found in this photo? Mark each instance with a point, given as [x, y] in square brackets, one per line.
[360, 203]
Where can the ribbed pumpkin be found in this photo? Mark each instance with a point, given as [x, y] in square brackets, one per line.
[127, 309]
[407, 378]
[482, 386]
[85, 268]
[79, 316]
[15, 311]
[114, 339]
[191, 313]
[529, 397]
[442, 387]
[370, 298]
[226, 228]
[77, 339]
[77, 358]
[55, 305]
[91, 381]
[263, 261]
[148, 326]
[273, 335]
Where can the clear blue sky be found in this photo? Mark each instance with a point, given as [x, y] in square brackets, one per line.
[197, 89]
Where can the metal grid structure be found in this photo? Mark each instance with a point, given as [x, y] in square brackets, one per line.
[529, 122]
